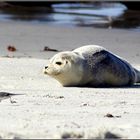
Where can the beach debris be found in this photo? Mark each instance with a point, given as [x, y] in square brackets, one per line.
[126, 112]
[112, 116]
[109, 115]
[59, 97]
[110, 135]
[85, 104]
[56, 97]
[75, 124]
[46, 48]
[7, 95]
[71, 135]
[11, 48]
[118, 116]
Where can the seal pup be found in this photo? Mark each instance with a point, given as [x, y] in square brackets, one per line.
[93, 66]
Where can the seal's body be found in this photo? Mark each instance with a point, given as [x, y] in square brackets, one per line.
[91, 65]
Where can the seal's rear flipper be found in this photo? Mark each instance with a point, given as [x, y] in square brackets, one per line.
[138, 75]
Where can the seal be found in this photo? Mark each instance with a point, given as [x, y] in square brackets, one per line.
[91, 66]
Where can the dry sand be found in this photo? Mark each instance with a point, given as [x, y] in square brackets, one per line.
[48, 110]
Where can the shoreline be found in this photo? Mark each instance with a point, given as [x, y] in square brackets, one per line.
[30, 39]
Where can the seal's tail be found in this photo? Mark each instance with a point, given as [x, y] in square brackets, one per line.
[138, 76]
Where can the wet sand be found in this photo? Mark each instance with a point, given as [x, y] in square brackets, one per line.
[48, 110]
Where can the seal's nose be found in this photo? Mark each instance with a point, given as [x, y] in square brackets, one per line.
[46, 67]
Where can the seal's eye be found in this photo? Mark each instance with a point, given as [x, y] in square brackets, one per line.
[58, 63]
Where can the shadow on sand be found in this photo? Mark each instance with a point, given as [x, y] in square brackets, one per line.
[137, 85]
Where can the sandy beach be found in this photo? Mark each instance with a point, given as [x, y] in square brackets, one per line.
[48, 110]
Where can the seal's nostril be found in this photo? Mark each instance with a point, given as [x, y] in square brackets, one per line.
[46, 67]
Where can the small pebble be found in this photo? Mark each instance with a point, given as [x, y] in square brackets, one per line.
[11, 48]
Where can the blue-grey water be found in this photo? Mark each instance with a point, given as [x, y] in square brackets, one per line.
[97, 14]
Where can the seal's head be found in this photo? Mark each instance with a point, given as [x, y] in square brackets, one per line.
[65, 67]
